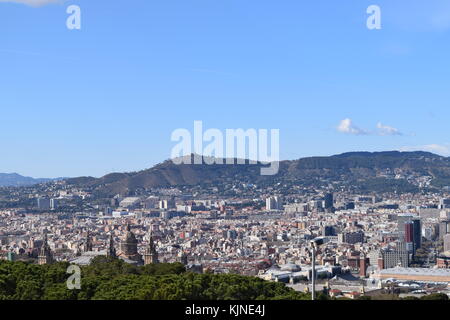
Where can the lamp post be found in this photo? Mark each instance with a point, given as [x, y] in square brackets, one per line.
[313, 271]
[314, 244]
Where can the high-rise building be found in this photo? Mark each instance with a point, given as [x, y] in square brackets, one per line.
[401, 220]
[447, 243]
[328, 201]
[273, 203]
[54, 203]
[417, 231]
[409, 232]
[409, 236]
[43, 204]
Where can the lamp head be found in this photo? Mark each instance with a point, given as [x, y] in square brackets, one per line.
[317, 242]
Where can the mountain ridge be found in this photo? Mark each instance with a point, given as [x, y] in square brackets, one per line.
[17, 180]
[347, 168]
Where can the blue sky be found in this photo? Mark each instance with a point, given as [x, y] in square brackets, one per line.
[107, 97]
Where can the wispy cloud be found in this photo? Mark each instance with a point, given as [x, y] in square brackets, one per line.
[34, 3]
[384, 130]
[347, 126]
[440, 149]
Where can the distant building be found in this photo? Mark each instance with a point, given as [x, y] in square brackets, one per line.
[88, 243]
[364, 263]
[414, 274]
[54, 204]
[349, 206]
[151, 202]
[409, 219]
[45, 254]
[409, 236]
[43, 204]
[409, 232]
[167, 204]
[328, 201]
[444, 203]
[417, 230]
[273, 203]
[111, 251]
[184, 259]
[443, 260]
[391, 258]
[130, 202]
[447, 242]
[444, 228]
[232, 234]
[128, 247]
[296, 208]
[351, 237]
[329, 231]
[151, 255]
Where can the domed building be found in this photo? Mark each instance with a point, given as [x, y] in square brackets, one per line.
[129, 247]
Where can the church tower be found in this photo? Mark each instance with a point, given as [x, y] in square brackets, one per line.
[45, 254]
[184, 258]
[111, 251]
[151, 255]
[88, 243]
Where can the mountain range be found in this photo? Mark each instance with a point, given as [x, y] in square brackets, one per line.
[366, 171]
[16, 180]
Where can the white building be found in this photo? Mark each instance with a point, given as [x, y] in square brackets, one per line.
[273, 203]
[129, 202]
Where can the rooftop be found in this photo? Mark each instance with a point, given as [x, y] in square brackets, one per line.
[417, 271]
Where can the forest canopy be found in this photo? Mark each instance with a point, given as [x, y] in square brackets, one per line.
[113, 279]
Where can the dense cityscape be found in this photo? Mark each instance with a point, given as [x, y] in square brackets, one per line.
[376, 245]
[211, 159]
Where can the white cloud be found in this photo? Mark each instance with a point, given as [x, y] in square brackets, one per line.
[33, 3]
[440, 149]
[347, 126]
[385, 130]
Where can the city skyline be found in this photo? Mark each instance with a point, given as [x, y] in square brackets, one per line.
[106, 98]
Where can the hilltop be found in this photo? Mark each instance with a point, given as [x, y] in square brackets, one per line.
[365, 170]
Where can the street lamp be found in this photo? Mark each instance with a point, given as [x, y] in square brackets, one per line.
[314, 245]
